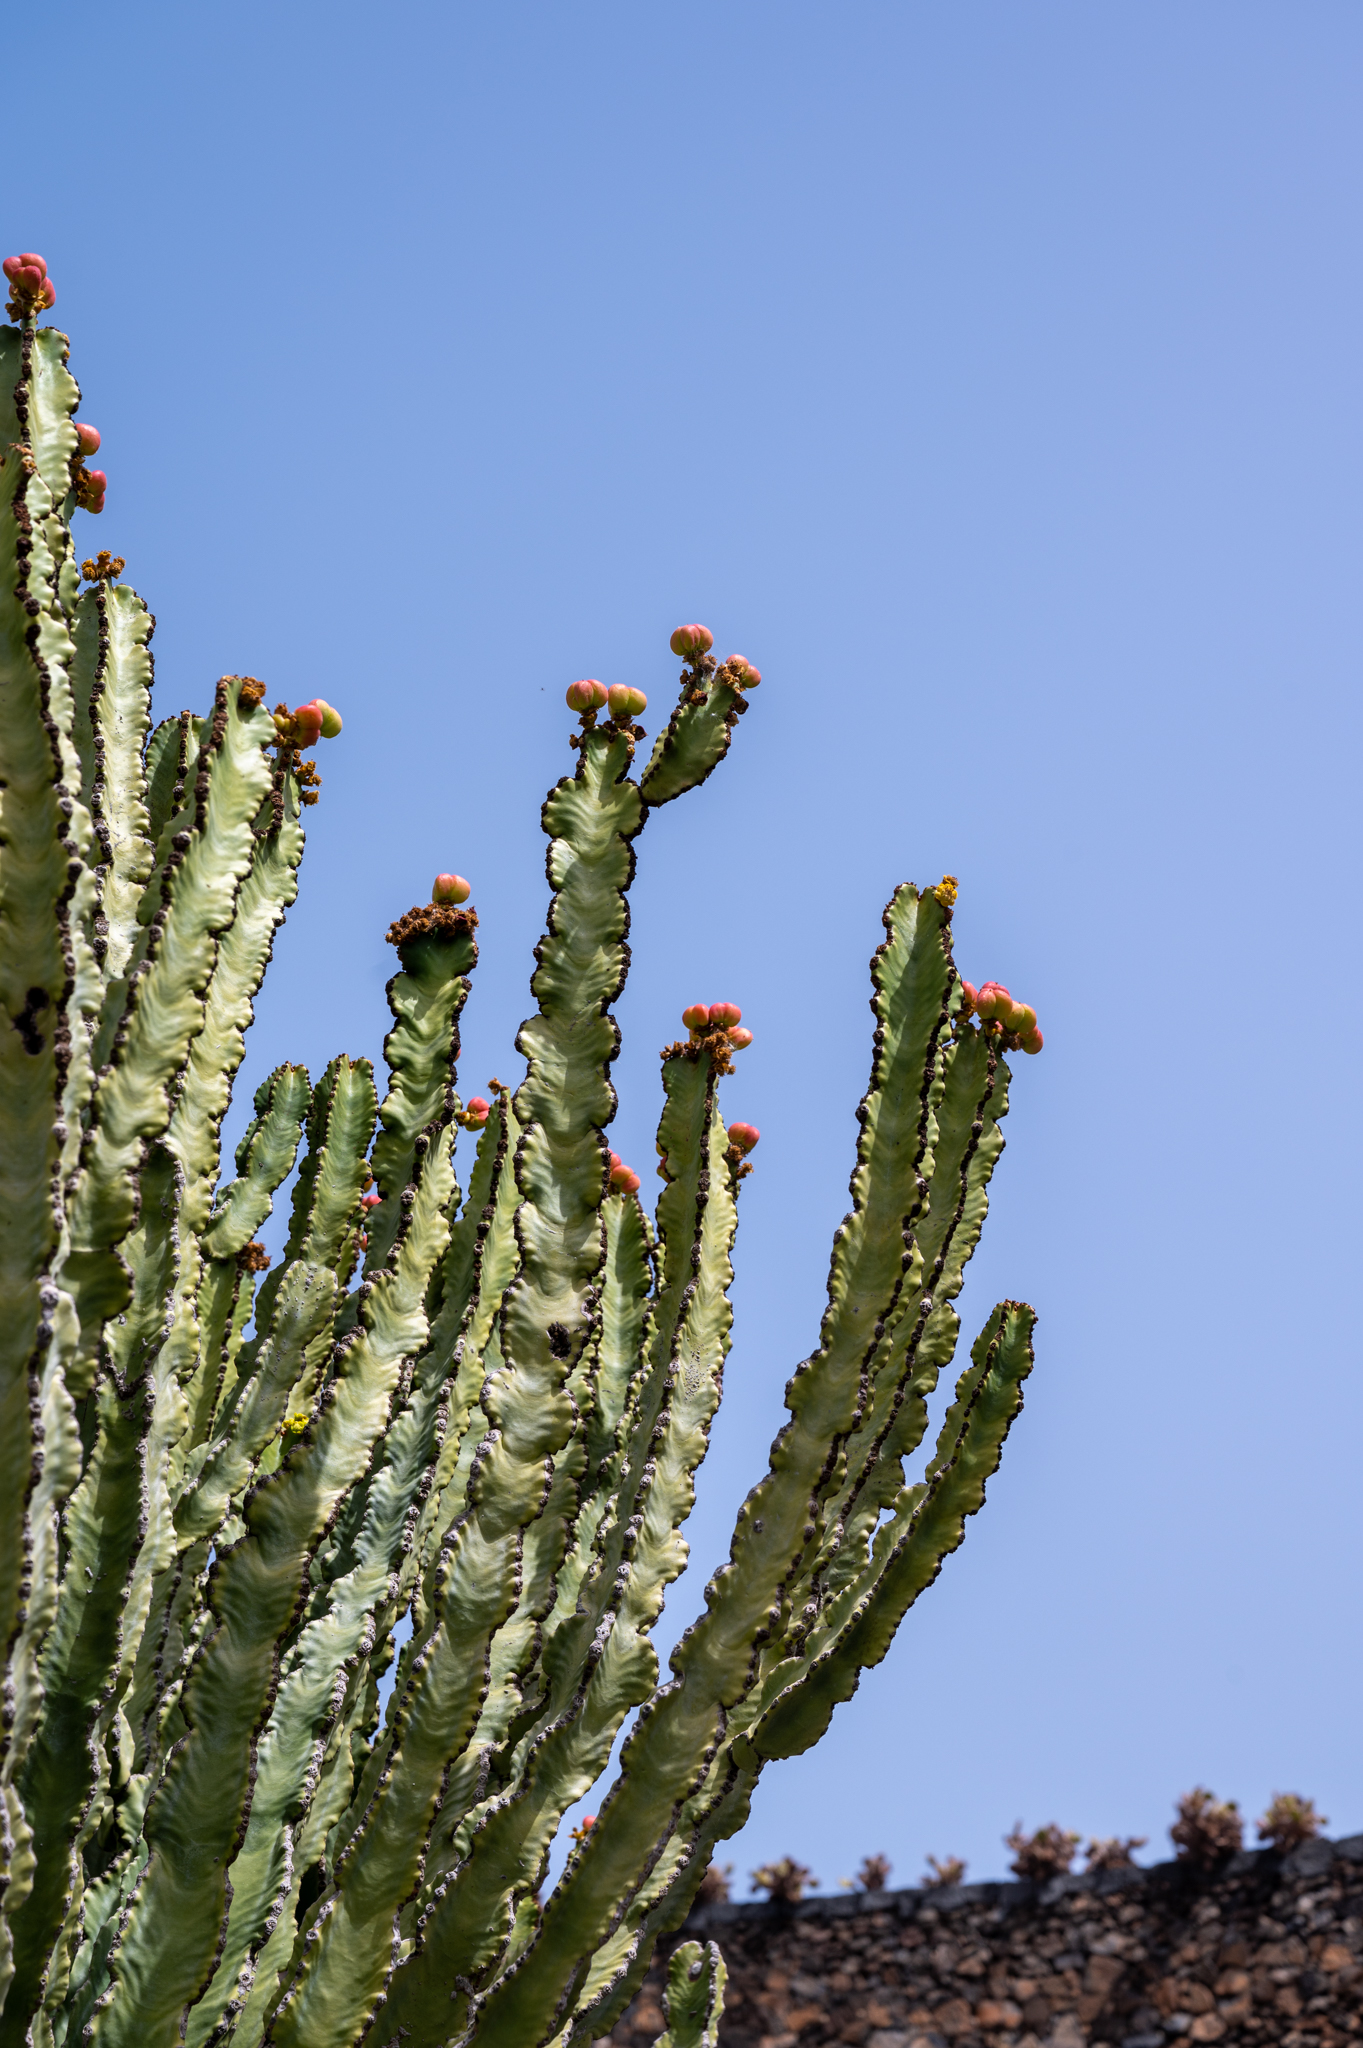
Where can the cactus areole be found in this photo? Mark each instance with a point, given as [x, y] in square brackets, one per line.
[463, 1410]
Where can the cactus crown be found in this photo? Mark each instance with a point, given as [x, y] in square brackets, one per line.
[226, 1483]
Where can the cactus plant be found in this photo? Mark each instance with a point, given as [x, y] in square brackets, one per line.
[226, 1483]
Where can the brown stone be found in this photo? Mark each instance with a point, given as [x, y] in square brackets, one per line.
[1101, 1974]
[996, 2012]
[1335, 1957]
[1208, 2027]
[955, 2017]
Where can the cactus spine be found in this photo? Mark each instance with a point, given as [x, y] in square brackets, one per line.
[223, 1486]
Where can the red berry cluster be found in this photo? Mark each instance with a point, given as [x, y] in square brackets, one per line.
[992, 1004]
[30, 287]
[91, 484]
[623, 1181]
[703, 1020]
[624, 701]
[693, 644]
[316, 720]
[691, 641]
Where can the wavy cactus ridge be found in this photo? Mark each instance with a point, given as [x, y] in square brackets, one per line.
[232, 1485]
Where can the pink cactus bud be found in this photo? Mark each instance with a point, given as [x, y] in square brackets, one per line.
[615, 1161]
[307, 725]
[477, 1109]
[689, 641]
[586, 696]
[993, 1001]
[331, 718]
[48, 294]
[625, 702]
[623, 1180]
[30, 279]
[740, 1038]
[1022, 1019]
[726, 1015]
[748, 676]
[363, 1240]
[1032, 1041]
[99, 482]
[88, 437]
[970, 998]
[450, 889]
[743, 1137]
[696, 1016]
[34, 262]
[11, 266]
[371, 1200]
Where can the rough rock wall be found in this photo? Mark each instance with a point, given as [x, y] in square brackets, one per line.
[1268, 1949]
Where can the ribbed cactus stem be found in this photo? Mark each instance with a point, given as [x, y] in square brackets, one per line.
[226, 1482]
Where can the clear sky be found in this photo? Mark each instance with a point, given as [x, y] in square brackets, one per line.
[990, 374]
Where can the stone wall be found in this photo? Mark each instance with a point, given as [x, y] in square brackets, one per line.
[1267, 1950]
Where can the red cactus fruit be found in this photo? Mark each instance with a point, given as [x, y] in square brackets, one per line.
[623, 1181]
[689, 641]
[307, 725]
[476, 1109]
[11, 266]
[586, 696]
[371, 1200]
[88, 437]
[1032, 1041]
[34, 262]
[625, 701]
[993, 1001]
[1022, 1019]
[970, 998]
[740, 1038]
[726, 1015]
[331, 718]
[450, 889]
[743, 1137]
[49, 293]
[615, 1161]
[696, 1016]
[748, 676]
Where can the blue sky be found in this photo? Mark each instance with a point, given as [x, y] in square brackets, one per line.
[989, 375]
